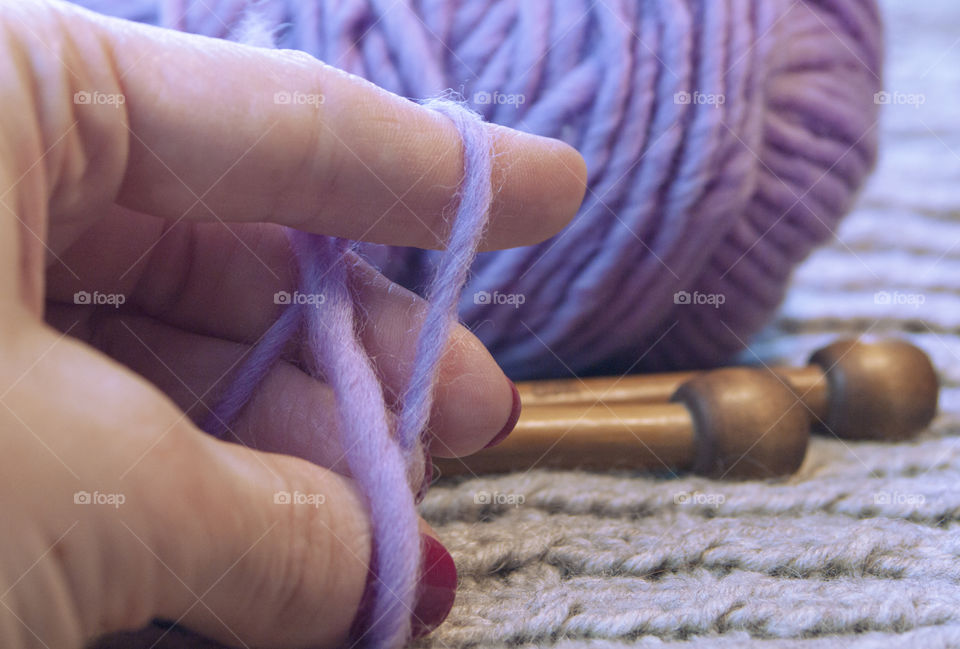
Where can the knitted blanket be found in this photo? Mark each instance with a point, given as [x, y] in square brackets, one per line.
[861, 548]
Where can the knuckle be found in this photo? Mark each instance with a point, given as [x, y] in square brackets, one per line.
[321, 552]
[298, 575]
[74, 120]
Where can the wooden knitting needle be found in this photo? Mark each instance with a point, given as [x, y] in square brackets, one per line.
[733, 423]
[886, 390]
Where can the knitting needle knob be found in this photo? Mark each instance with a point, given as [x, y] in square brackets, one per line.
[885, 390]
[732, 423]
[746, 423]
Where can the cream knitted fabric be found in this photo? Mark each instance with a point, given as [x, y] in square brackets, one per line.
[860, 549]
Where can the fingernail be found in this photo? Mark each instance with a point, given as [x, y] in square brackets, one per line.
[438, 587]
[511, 421]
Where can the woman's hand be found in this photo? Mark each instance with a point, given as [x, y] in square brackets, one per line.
[144, 177]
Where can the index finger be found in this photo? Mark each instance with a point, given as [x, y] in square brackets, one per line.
[222, 130]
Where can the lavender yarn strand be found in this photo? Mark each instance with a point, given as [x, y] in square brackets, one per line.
[366, 436]
[452, 269]
[366, 433]
[252, 370]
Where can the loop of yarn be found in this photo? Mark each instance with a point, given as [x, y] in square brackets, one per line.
[388, 463]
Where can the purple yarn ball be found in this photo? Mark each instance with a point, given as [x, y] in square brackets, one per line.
[724, 140]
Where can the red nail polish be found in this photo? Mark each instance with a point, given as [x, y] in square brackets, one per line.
[511, 421]
[438, 587]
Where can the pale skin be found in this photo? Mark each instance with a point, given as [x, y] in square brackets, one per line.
[94, 398]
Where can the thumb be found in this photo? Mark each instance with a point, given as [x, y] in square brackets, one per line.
[258, 549]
